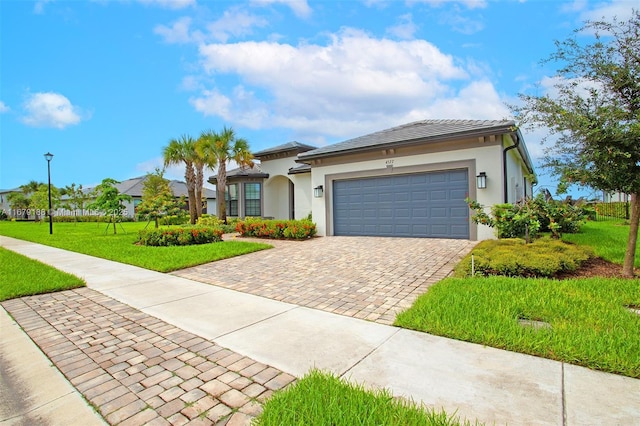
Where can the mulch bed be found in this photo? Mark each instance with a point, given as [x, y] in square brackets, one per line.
[595, 267]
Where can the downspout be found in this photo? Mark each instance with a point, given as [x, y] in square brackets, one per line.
[504, 164]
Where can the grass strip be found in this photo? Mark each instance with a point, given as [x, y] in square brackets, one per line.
[608, 239]
[323, 399]
[91, 239]
[591, 324]
[21, 276]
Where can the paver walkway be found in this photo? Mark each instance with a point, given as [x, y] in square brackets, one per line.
[176, 314]
[136, 369]
[370, 278]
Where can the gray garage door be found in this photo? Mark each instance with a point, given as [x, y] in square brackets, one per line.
[415, 205]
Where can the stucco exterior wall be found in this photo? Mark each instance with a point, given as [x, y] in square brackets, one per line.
[277, 189]
[481, 157]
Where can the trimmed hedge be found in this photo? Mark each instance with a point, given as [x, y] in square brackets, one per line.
[512, 257]
[276, 229]
[88, 218]
[183, 236]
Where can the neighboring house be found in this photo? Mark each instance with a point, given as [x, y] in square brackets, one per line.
[612, 197]
[409, 181]
[133, 187]
[4, 202]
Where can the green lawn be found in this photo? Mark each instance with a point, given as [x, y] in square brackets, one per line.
[591, 323]
[323, 399]
[21, 276]
[91, 238]
[607, 238]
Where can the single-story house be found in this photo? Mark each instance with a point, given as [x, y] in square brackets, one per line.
[410, 181]
[133, 187]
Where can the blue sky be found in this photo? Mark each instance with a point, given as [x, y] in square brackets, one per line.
[104, 85]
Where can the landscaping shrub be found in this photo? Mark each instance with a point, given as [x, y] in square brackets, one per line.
[174, 219]
[530, 217]
[514, 258]
[87, 218]
[183, 236]
[212, 220]
[278, 229]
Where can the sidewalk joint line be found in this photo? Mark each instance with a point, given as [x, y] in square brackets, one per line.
[370, 352]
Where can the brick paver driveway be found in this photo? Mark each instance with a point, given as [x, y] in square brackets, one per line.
[371, 278]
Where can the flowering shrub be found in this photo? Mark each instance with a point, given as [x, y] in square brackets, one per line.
[183, 236]
[278, 229]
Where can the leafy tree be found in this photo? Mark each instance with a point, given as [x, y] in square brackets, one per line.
[595, 113]
[157, 198]
[110, 201]
[217, 149]
[76, 199]
[179, 151]
[40, 199]
[31, 187]
[19, 202]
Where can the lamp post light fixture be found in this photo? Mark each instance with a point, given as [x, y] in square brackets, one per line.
[481, 180]
[49, 156]
[317, 191]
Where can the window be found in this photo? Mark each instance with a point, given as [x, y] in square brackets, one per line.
[252, 204]
[231, 197]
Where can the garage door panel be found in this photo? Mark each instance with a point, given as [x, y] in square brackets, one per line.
[419, 205]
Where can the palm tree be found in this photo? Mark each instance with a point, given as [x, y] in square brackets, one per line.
[179, 151]
[199, 163]
[217, 149]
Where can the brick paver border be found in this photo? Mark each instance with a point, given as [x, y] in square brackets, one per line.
[136, 369]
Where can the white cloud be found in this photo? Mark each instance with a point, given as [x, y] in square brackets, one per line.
[50, 110]
[621, 9]
[38, 7]
[212, 103]
[169, 4]
[178, 32]
[354, 84]
[478, 100]
[234, 23]
[4, 108]
[470, 4]
[405, 29]
[299, 7]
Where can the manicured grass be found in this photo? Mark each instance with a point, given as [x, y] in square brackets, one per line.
[21, 276]
[323, 399]
[607, 238]
[90, 238]
[590, 322]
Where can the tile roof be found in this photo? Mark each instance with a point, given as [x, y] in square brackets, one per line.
[254, 172]
[289, 146]
[133, 187]
[408, 134]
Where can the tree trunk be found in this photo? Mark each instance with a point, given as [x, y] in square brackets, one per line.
[192, 205]
[190, 177]
[221, 190]
[630, 254]
[113, 221]
[199, 184]
[157, 222]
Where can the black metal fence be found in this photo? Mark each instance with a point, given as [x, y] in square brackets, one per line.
[612, 211]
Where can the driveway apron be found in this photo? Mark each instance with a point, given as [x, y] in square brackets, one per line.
[371, 278]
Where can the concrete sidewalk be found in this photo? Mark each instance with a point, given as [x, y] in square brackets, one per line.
[487, 384]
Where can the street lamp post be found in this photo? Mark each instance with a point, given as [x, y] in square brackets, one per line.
[49, 156]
